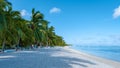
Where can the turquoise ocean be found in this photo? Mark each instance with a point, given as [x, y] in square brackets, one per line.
[107, 52]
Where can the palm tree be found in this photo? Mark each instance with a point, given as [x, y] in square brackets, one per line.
[23, 32]
[4, 6]
[35, 24]
[44, 29]
[12, 31]
[51, 36]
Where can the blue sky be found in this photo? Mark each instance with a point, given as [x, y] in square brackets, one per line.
[85, 22]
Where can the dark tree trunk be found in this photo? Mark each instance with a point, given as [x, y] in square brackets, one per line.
[3, 45]
[18, 45]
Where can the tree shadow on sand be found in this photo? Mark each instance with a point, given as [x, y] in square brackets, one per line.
[63, 61]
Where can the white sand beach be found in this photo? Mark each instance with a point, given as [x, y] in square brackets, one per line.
[54, 58]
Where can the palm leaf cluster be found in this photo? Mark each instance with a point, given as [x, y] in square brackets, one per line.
[16, 31]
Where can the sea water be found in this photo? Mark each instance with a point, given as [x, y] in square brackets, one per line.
[108, 52]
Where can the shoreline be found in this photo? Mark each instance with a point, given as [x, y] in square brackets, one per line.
[113, 63]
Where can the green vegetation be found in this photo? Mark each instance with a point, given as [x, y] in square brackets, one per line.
[18, 32]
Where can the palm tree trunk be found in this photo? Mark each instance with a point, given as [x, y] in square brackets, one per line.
[3, 45]
[47, 44]
[40, 44]
[18, 44]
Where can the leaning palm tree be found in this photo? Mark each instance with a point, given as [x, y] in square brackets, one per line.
[21, 27]
[11, 32]
[35, 23]
[4, 6]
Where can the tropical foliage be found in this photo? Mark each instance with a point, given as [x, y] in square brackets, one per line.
[16, 32]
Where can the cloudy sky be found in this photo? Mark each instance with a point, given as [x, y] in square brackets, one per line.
[91, 22]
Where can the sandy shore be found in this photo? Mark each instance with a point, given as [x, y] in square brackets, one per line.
[54, 58]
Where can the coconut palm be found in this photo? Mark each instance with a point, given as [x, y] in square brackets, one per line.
[51, 36]
[4, 6]
[24, 33]
[44, 29]
[35, 25]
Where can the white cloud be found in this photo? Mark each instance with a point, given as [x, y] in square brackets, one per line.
[55, 10]
[116, 13]
[24, 13]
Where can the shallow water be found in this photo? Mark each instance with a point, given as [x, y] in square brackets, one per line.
[108, 52]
